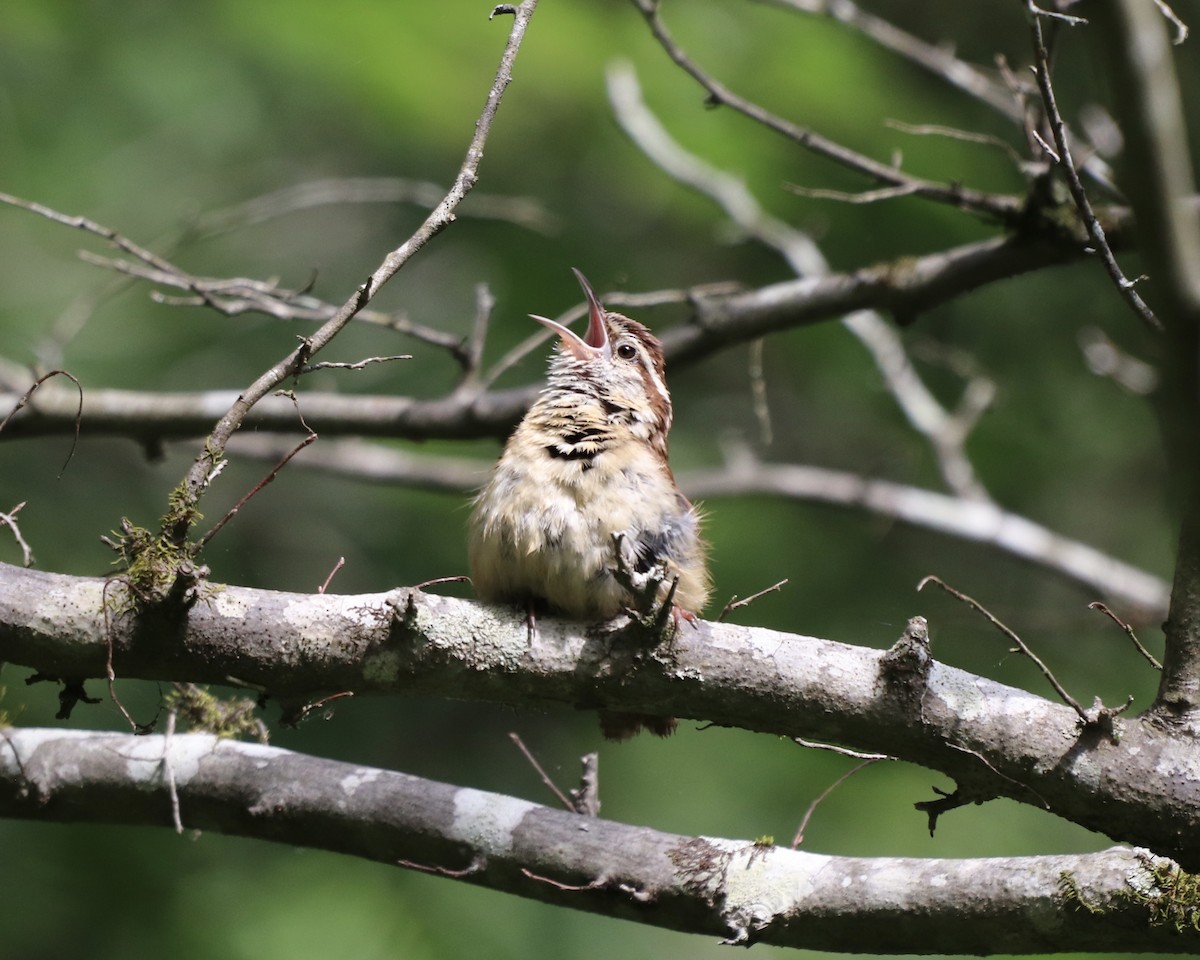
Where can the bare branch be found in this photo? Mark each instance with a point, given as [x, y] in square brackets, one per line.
[1066, 164]
[357, 365]
[10, 520]
[523, 211]
[993, 206]
[232, 512]
[937, 60]
[736, 604]
[23, 400]
[946, 433]
[443, 214]
[550, 784]
[974, 520]
[1129, 632]
[1021, 645]
[418, 644]
[967, 136]
[702, 885]
[841, 196]
[812, 807]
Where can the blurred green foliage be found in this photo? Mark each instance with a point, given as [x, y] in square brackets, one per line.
[143, 116]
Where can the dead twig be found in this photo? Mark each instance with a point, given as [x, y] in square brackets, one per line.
[358, 365]
[844, 751]
[28, 395]
[550, 784]
[953, 133]
[841, 196]
[341, 562]
[735, 604]
[109, 673]
[999, 207]
[1064, 161]
[442, 216]
[216, 527]
[1104, 609]
[169, 772]
[812, 807]
[1021, 645]
[478, 863]
[10, 520]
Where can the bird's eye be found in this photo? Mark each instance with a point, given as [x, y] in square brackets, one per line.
[626, 351]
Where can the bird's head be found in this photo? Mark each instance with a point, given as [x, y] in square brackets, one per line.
[617, 360]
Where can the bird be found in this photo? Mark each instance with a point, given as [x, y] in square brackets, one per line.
[581, 515]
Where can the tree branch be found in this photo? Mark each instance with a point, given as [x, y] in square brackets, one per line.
[967, 518]
[199, 474]
[995, 206]
[994, 740]
[734, 889]
[905, 288]
[946, 433]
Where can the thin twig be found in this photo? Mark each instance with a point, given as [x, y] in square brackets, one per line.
[10, 520]
[357, 365]
[953, 133]
[1066, 18]
[841, 196]
[844, 751]
[442, 216]
[1045, 804]
[302, 713]
[234, 296]
[937, 59]
[1021, 646]
[522, 211]
[458, 578]
[1104, 609]
[990, 205]
[478, 862]
[1065, 163]
[946, 432]
[735, 604]
[550, 784]
[169, 771]
[474, 344]
[812, 807]
[566, 887]
[216, 527]
[110, 673]
[28, 395]
[341, 562]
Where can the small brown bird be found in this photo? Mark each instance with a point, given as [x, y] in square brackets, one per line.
[582, 505]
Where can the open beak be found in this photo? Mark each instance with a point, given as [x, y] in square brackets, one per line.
[594, 343]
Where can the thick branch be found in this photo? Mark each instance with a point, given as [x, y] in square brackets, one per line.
[735, 889]
[994, 740]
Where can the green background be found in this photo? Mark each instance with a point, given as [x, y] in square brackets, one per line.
[144, 116]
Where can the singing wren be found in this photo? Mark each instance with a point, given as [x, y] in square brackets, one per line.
[582, 515]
